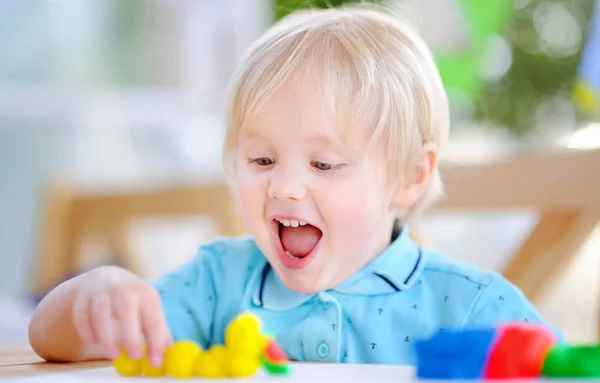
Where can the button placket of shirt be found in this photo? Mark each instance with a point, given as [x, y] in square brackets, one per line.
[322, 333]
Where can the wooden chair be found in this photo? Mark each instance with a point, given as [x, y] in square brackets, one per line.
[564, 186]
[70, 217]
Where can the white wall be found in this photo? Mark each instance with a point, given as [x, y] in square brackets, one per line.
[56, 113]
[29, 153]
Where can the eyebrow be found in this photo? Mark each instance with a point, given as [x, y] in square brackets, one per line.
[253, 135]
[326, 140]
[319, 139]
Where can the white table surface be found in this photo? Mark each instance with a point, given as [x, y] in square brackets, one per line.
[303, 372]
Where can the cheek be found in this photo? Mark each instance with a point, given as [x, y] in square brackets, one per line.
[357, 208]
[250, 194]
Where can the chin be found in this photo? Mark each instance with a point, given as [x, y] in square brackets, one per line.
[294, 280]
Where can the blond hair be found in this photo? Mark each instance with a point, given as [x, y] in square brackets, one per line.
[373, 69]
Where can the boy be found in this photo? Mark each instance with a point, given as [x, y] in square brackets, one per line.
[334, 128]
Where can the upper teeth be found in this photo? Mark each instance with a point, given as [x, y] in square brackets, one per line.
[291, 222]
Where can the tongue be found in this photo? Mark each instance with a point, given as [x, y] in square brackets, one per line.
[299, 241]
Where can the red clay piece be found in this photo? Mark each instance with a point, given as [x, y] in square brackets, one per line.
[519, 351]
[274, 353]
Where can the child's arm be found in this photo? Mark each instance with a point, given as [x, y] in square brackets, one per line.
[89, 316]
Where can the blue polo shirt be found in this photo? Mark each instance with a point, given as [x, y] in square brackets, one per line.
[404, 294]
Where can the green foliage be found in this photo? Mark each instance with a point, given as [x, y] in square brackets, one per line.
[284, 7]
[534, 75]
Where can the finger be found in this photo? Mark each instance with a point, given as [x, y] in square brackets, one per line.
[103, 325]
[127, 315]
[155, 330]
[82, 320]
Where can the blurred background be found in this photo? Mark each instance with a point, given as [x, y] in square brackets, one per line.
[112, 111]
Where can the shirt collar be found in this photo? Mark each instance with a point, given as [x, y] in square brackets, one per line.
[395, 269]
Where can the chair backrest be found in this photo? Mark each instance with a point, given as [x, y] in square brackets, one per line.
[554, 180]
[71, 216]
[563, 185]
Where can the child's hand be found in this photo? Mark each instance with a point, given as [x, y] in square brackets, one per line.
[117, 309]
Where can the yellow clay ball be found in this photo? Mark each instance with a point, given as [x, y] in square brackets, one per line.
[148, 369]
[252, 345]
[243, 325]
[246, 321]
[219, 354]
[126, 366]
[242, 365]
[180, 359]
[211, 364]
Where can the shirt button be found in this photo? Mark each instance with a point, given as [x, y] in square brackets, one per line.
[323, 350]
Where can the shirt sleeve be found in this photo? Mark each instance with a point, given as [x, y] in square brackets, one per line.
[189, 296]
[503, 302]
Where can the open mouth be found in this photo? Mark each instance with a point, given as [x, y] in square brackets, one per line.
[297, 239]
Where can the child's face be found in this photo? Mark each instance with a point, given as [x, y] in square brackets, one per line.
[293, 168]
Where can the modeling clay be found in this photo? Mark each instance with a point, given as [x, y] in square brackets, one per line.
[276, 368]
[147, 369]
[180, 359]
[125, 365]
[246, 349]
[212, 363]
[573, 362]
[510, 351]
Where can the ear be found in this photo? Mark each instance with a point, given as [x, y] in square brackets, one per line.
[417, 178]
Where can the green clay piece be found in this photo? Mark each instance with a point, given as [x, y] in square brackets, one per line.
[275, 368]
[572, 362]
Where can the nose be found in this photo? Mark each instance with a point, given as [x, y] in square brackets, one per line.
[286, 185]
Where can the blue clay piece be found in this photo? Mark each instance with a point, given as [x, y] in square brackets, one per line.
[454, 354]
